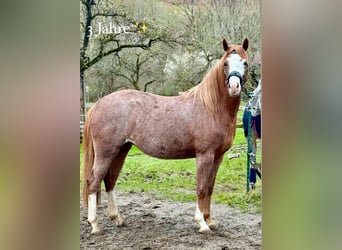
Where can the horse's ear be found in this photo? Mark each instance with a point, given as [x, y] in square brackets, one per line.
[225, 44]
[245, 44]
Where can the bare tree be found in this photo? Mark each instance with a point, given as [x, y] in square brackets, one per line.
[108, 44]
[132, 69]
[191, 30]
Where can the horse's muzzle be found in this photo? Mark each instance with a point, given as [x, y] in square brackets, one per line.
[234, 85]
[236, 74]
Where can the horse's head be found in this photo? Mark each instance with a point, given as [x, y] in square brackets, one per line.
[235, 66]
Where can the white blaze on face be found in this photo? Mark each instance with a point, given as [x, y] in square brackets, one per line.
[236, 64]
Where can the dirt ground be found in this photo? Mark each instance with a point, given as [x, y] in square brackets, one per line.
[160, 224]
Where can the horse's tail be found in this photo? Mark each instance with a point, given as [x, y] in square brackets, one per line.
[88, 159]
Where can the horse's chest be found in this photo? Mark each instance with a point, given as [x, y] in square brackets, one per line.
[226, 136]
[226, 140]
[217, 137]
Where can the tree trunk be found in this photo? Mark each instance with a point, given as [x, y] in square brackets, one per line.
[83, 58]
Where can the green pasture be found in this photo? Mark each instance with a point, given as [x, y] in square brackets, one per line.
[176, 179]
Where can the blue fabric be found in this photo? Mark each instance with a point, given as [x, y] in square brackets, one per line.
[252, 176]
[245, 122]
[255, 123]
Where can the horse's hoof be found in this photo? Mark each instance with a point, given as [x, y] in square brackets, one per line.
[205, 231]
[95, 228]
[118, 221]
[211, 223]
[121, 224]
[96, 231]
[213, 227]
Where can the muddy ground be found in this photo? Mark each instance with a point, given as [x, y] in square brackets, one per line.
[160, 224]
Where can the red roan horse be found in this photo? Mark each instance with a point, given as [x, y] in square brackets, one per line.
[199, 123]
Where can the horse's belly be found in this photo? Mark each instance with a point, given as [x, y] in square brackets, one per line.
[164, 154]
[162, 150]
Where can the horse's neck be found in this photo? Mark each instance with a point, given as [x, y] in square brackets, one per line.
[232, 106]
[228, 105]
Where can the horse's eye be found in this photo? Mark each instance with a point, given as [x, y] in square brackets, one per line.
[245, 64]
[225, 64]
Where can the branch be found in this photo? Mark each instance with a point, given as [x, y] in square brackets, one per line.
[158, 39]
[106, 40]
[104, 54]
[148, 83]
[123, 76]
[123, 86]
[107, 15]
[82, 25]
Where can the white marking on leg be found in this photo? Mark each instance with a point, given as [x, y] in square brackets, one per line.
[199, 217]
[113, 209]
[92, 213]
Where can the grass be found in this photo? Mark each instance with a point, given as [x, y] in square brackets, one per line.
[176, 179]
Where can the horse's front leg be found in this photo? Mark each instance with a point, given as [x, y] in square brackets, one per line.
[204, 166]
[212, 176]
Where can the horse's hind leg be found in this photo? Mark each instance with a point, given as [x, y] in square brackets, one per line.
[101, 165]
[110, 181]
[92, 213]
[113, 209]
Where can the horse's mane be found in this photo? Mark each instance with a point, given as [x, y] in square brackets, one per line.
[209, 89]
